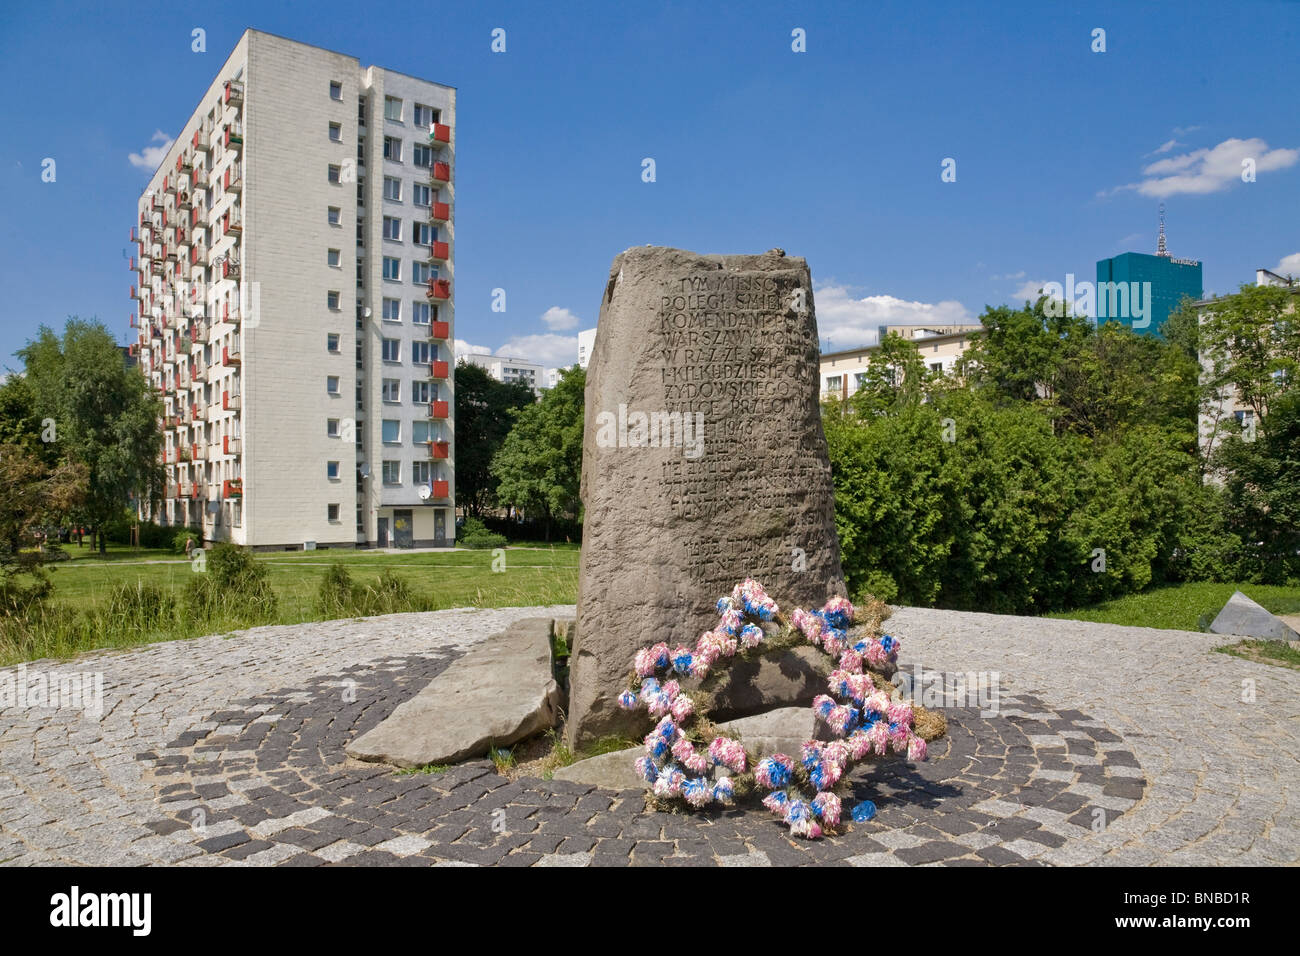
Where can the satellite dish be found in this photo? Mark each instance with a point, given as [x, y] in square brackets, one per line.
[364, 469]
[365, 313]
[425, 492]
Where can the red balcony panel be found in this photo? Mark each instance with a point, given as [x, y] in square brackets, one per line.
[439, 289]
[232, 487]
[441, 173]
[442, 489]
[440, 330]
[438, 369]
[440, 134]
[439, 449]
[438, 410]
[440, 251]
[440, 212]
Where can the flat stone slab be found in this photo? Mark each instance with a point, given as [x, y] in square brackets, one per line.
[1243, 617]
[499, 693]
[783, 730]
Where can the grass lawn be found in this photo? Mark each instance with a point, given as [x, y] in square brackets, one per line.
[1184, 607]
[533, 575]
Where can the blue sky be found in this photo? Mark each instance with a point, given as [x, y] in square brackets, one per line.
[1063, 154]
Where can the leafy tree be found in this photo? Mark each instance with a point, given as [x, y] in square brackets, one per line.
[1253, 344]
[105, 415]
[1263, 491]
[539, 466]
[19, 423]
[896, 374]
[483, 419]
[31, 495]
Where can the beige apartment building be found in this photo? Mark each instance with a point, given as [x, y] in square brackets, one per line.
[843, 372]
[295, 307]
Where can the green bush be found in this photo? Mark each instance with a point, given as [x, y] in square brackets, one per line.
[337, 596]
[232, 585]
[138, 607]
[483, 540]
[186, 534]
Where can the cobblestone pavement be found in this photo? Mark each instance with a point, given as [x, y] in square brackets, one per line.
[1111, 745]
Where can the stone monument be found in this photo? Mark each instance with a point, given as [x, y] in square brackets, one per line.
[704, 462]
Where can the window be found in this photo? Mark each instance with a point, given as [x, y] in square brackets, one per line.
[392, 310]
[422, 393]
[420, 313]
[392, 472]
[392, 189]
[332, 427]
[422, 432]
[333, 512]
[392, 268]
[425, 116]
[332, 470]
[422, 156]
[936, 366]
[420, 195]
[392, 109]
[336, 132]
[361, 111]
[421, 353]
[391, 390]
[422, 233]
[392, 350]
[422, 472]
[336, 90]
[335, 215]
[332, 342]
[332, 384]
[334, 175]
[393, 228]
[332, 301]
[393, 149]
[421, 272]
[833, 383]
[332, 257]
[392, 431]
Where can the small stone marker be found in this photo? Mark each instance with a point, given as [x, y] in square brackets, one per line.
[704, 460]
[1245, 618]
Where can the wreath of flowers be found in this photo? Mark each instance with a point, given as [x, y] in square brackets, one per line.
[860, 715]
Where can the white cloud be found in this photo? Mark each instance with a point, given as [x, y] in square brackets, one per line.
[1009, 275]
[851, 323]
[1165, 147]
[149, 157]
[465, 348]
[549, 349]
[1029, 291]
[1184, 130]
[1210, 170]
[559, 320]
[1288, 265]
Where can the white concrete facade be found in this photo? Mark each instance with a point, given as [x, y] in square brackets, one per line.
[842, 372]
[506, 368]
[281, 326]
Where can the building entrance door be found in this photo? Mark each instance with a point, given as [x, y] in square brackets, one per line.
[383, 532]
[403, 524]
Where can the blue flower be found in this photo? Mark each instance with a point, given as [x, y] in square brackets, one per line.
[864, 811]
[887, 643]
[682, 663]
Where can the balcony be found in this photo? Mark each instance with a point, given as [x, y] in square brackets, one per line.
[196, 217]
[439, 251]
[232, 224]
[231, 446]
[184, 199]
[230, 314]
[198, 452]
[233, 179]
[228, 358]
[183, 162]
[231, 402]
[440, 330]
[438, 410]
[440, 174]
[438, 369]
[169, 184]
[234, 93]
[200, 141]
[439, 135]
[439, 450]
[136, 294]
[229, 270]
[439, 212]
[198, 177]
[232, 137]
[441, 489]
[232, 488]
[439, 289]
[195, 254]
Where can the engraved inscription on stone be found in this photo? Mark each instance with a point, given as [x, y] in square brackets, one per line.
[729, 342]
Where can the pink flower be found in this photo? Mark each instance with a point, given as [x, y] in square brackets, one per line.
[827, 806]
[916, 749]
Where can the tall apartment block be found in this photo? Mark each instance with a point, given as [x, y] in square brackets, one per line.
[295, 308]
[1171, 280]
